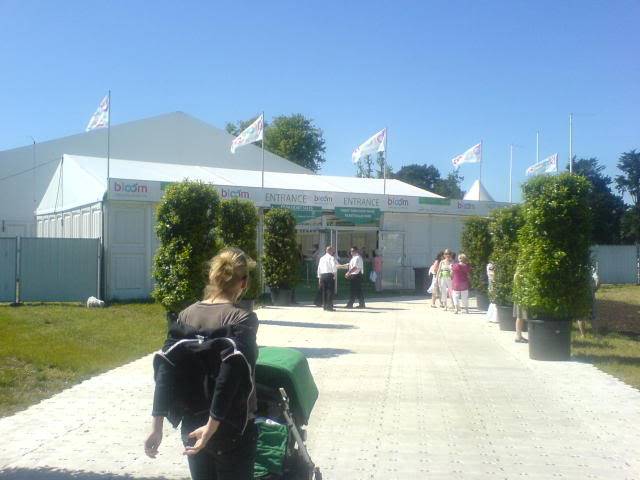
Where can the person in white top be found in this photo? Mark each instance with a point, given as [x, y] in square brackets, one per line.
[327, 270]
[355, 274]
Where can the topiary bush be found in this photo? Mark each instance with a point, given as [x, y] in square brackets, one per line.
[280, 260]
[238, 227]
[186, 219]
[553, 280]
[504, 225]
[477, 245]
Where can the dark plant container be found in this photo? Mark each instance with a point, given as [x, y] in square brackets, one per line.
[482, 301]
[421, 278]
[505, 318]
[549, 340]
[281, 297]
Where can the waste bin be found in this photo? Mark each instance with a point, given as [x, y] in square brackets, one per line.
[421, 278]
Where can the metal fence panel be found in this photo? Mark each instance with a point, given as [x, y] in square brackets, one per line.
[8, 254]
[58, 269]
[616, 263]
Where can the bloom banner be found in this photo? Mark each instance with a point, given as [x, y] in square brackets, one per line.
[377, 143]
[252, 133]
[548, 165]
[473, 155]
[100, 118]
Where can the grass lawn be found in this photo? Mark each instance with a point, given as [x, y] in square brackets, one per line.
[47, 348]
[617, 351]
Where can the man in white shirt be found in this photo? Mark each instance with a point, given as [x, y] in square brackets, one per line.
[355, 273]
[327, 270]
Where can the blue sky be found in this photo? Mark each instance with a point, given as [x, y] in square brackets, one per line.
[440, 75]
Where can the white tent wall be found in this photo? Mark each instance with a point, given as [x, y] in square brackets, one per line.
[177, 138]
[130, 246]
[82, 222]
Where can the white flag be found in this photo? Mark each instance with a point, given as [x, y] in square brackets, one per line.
[548, 165]
[252, 133]
[473, 155]
[100, 118]
[377, 143]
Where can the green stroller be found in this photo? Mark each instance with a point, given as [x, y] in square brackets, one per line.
[286, 395]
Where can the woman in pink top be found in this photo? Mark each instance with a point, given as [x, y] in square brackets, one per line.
[377, 267]
[460, 282]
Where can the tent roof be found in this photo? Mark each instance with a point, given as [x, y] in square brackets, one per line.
[478, 192]
[82, 180]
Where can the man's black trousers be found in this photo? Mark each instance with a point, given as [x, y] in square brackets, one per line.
[356, 290]
[327, 282]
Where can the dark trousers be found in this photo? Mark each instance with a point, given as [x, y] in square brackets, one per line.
[227, 455]
[355, 290]
[327, 283]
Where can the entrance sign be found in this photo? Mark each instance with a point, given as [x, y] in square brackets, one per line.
[358, 215]
[302, 213]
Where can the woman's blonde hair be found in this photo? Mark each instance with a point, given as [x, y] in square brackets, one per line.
[226, 270]
[462, 258]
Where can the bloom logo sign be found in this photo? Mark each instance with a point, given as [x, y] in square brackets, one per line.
[134, 190]
[234, 193]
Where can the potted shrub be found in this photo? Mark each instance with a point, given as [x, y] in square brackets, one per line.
[186, 219]
[553, 270]
[476, 244]
[504, 226]
[238, 227]
[280, 260]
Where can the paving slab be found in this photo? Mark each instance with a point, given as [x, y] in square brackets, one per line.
[406, 392]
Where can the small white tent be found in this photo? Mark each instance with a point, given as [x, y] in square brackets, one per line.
[477, 192]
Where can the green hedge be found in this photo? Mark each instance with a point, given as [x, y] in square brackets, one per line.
[186, 219]
[553, 280]
[281, 259]
[504, 226]
[238, 227]
[476, 244]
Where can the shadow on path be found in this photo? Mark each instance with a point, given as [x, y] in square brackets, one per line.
[323, 352]
[55, 474]
[285, 323]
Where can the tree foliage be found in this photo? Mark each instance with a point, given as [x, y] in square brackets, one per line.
[629, 182]
[281, 259]
[477, 245]
[504, 226]
[187, 217]
[428, 177]
[293, 137]
[238, 227]
[607, 208]
[554, 265]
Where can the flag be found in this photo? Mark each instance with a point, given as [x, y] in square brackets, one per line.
[377, 143]
[473, 155]
[252, 133]
[548, 165]
[100, 118]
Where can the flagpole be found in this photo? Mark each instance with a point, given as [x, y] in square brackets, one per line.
[108, 138]
[537, 147]
[263, 148]
[571, 143]
[510, 169]
[384, 162]
[481, 161]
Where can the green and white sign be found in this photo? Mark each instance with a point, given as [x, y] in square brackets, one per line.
[358, 215]
[302, 213]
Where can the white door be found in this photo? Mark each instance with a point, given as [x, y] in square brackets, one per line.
[391, 245]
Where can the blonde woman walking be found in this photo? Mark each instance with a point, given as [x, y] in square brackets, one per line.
[444, 278]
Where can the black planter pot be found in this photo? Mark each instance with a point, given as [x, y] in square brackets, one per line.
[482, 301]
[281, 297]
[549, 339]
[505, 318]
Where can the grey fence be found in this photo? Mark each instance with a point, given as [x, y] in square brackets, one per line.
[49, 269]
[616, 263]
[8, 265]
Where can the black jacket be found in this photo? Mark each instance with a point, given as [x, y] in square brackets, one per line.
[209, 370]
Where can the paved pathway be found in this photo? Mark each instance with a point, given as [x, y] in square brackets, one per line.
[406, 392]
